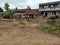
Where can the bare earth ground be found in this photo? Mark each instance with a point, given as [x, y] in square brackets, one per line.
[26, 33]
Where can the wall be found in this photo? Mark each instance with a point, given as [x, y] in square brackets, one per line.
[49, 14]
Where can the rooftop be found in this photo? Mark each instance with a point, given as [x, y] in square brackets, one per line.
[50, 3]
[27, 11]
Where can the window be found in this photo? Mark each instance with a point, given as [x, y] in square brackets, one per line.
[53, 13]
[45, 6]
[42, 13]
[57, 13]
[51, 6]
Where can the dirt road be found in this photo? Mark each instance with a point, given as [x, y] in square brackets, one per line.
[28, 34]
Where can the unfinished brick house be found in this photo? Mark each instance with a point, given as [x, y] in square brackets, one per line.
[24, 13]
[50, 8]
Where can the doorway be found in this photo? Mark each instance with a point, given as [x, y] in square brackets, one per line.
[45, 14]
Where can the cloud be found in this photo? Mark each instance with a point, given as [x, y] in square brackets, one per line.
[23, 3]
[15, 3]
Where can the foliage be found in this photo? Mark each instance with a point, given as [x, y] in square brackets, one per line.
[6, 6]
[8, 14]
[1, 10]
[51, 28]
[28, 7]
[46, 26]
[57, 26]
[53, 17]
[16, 8]
[57, 16]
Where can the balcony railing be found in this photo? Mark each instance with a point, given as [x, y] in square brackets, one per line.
[50, 9]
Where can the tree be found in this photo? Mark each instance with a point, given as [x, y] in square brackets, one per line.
[28, 7]
[16, 8]
[9, 14]
[1, 10]
[6, 6]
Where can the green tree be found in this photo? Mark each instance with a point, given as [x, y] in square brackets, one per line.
[28, 7]
[1, 10]
[16, 8]
[9, 14]
[6, 6]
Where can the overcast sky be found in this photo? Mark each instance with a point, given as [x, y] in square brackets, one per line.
[24, 3]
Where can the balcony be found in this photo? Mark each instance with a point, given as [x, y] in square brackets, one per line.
[50, 9]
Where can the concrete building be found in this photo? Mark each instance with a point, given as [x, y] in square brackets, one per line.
[50, 8]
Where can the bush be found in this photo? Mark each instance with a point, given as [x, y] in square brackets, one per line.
[1, 10]
[53, 17]
[8, 14]
[57, 16]
[57, 26]
[51, 28]
[46, 27]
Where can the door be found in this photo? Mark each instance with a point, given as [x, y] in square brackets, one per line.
[45, 14]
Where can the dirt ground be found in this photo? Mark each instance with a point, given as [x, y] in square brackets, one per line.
[26, 33]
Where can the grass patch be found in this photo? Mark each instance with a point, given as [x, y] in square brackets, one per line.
[46, 27]
[1, 22]
[51, 28]
[4, 28]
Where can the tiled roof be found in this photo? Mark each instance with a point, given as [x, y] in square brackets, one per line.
[27, 11]
[33, 11]
[21, 10]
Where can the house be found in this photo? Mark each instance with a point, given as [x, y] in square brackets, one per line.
[50, 8]
[33, 13]
[19, 13]
[1, 14]
[26, 13]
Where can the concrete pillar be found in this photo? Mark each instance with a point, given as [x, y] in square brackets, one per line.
[44, 14]
[34, 15]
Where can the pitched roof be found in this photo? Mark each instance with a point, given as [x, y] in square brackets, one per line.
[33, 11]
[27, 11]
[21, 10]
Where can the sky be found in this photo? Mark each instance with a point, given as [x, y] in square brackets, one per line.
[20, 4]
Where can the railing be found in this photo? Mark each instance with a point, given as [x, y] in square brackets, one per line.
[49, 9]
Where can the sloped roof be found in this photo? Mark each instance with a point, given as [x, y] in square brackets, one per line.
[21, 10]
[27, 11]
[33, 11]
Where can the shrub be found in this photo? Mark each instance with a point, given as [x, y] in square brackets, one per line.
[8, 14]
[51, 28]
[46, 27]
[1, 10]
[57, 26]
[57, 16]
[53, 17]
